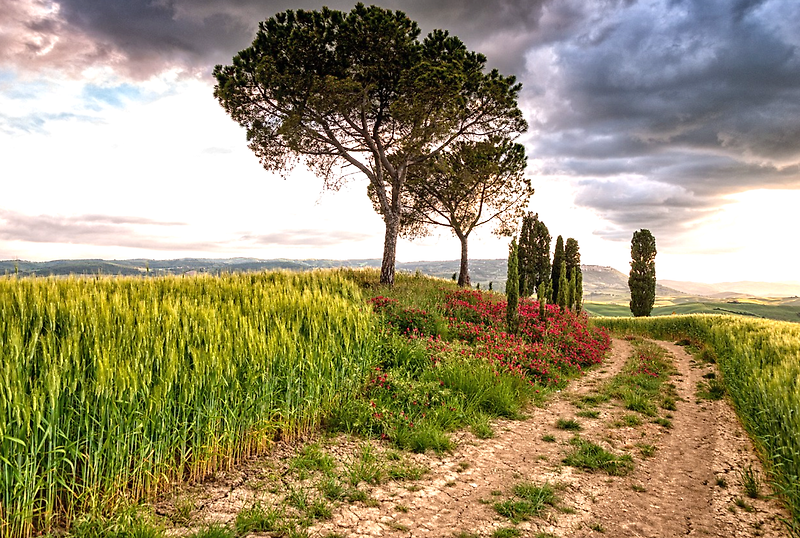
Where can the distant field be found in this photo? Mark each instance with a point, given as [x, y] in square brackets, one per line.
[777, 309]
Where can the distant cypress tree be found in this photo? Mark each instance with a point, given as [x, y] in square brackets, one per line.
[578, 290]
[541, 294]
[526, 256]
[558, 258]
[563, 286]
[572, 256]
[642, 279]
[571, 290]
[512, 287]
[541, 249]
[534, 255]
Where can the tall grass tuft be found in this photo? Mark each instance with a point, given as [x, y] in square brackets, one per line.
[113, 389]
[760, 365]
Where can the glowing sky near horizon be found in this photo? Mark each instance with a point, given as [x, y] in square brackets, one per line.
[682, 117]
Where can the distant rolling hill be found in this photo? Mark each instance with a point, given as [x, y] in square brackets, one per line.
[737, 289]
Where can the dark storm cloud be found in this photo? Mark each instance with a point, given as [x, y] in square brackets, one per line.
[695, 97]
[144, 37]
[692, 100]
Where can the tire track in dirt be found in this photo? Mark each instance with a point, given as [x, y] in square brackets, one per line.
[682, 496]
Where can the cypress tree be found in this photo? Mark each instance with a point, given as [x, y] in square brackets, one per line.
[578, 290]
[525, 256]
[541, 294]
[534, 255]
[512, 287]
[642, 279]
[571, 290]
[572, 256]
[541, 249]
[558, 258]
[561, 295]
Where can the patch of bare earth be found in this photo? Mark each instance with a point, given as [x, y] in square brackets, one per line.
[686, 480]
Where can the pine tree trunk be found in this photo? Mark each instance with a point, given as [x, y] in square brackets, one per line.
[389, 249]
[463, 275]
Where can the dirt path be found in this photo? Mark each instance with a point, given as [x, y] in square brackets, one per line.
[685, 481]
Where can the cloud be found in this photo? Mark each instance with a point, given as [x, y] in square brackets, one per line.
[142, 38]
[36, 122]
[695, 97]
[701, 96]
[305, 238]
[99, 230]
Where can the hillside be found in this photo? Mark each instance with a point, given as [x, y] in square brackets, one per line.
[729, 290]
[601, 284]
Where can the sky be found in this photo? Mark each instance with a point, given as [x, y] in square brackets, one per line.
[678, 116]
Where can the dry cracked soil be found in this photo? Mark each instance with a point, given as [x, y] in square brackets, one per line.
[687, 479]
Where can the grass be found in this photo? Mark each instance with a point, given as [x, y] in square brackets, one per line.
[628, 420]
[257, 518]
[592, 457]
[741, 503]
[595, 526]
[311, 458]
[92, 365]
[646, 450]
[365, 467]
[569, 424]
[710, 389]
[751, 481]
[528, 500]
[593, 400]
[331, 488]
[663, 422]
[214, 531]
[187, 375]
[130, 521]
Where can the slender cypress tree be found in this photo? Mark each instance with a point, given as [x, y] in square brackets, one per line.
[512, 287]
[563, 286]
[534, 255]
[571, 290]
[541, 257]
[526, 256]
[558, 258]
[642, 279]
[541, 294]
[572, 256]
